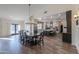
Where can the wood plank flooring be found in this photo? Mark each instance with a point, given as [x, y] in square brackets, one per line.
[52, 45]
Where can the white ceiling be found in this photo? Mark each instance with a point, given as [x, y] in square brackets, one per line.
[13, 11]
[20, 11]
[38, 10]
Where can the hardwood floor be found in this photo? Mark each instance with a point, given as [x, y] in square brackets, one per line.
[52, 45]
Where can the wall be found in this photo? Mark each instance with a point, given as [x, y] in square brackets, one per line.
[5, 24]
[75, 30]
[0, 27]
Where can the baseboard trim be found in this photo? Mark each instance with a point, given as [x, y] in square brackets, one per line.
[77, 48]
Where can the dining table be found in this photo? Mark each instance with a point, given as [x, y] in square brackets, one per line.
[33, 38]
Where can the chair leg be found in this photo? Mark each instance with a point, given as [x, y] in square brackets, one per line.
[39, 43]
[26, 42]
[42, 42]
[23, 41]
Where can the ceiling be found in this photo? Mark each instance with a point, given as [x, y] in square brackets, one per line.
[13, 11]
[21, 11]
[39, 9]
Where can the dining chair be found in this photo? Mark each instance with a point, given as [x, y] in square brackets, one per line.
[26, 38]
[42, 38]
[21, 36]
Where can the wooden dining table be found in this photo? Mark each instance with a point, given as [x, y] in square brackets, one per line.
[33, 38]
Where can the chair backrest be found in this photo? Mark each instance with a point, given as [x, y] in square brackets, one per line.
[25, 34]
[42, 34]
[21, 33]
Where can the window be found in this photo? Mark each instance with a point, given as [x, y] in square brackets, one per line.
[39, 26]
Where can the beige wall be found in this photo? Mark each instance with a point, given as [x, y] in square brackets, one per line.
[0, 27]
[75, 29]
[5, 26]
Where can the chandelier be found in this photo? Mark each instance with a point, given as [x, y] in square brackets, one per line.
[29, 9]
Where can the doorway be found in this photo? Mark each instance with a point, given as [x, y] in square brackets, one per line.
[14, 29]
[61, 28]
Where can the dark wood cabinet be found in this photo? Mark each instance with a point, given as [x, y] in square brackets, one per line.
[66, 37]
